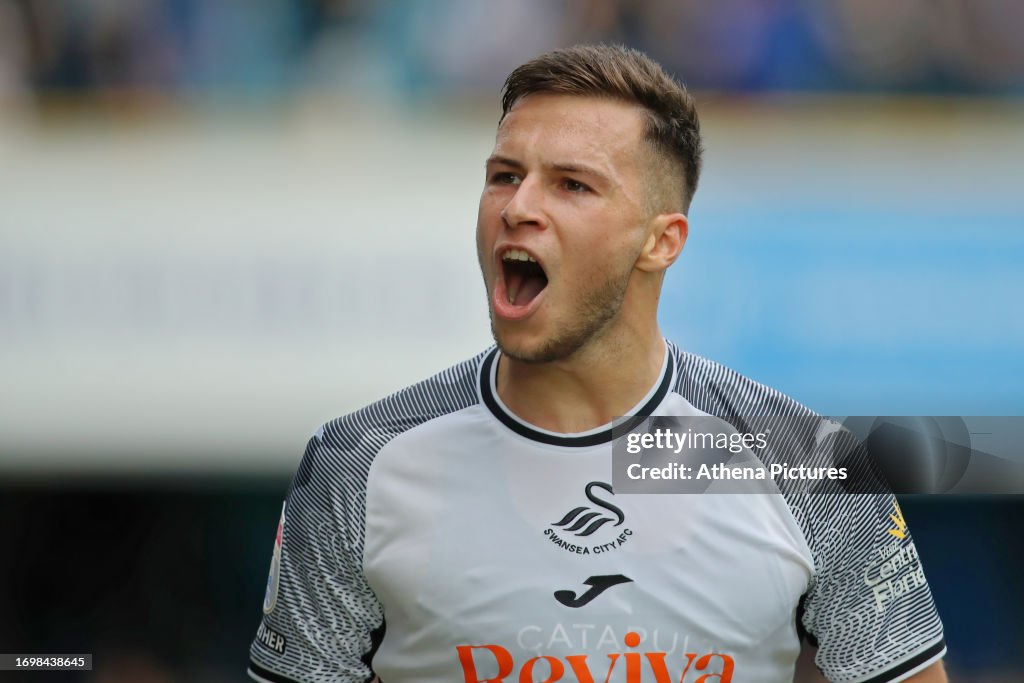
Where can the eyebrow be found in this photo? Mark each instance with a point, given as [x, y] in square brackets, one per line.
[562, 167]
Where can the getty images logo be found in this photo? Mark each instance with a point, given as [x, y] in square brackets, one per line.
[575, 531]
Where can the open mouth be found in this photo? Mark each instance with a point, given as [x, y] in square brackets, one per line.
[524, 277]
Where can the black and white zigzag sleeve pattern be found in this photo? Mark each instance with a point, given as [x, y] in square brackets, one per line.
[868, 608]
[326, 622]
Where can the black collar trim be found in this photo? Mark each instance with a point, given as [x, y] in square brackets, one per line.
[595, 438]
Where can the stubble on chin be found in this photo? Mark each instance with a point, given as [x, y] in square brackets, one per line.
[585, 325]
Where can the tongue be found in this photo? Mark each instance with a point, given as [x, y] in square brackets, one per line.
[528, 288]
[513, 282]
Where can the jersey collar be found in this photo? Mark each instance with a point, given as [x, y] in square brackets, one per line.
[593, 437]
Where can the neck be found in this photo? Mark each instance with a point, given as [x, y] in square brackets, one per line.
[586, 390]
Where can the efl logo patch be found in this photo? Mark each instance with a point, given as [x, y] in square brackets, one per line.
[270, 598]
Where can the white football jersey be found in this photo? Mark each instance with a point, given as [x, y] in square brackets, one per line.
[435, 536]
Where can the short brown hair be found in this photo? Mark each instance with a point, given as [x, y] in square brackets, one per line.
[625, 74]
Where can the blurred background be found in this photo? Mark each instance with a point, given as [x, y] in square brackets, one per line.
[224, 222]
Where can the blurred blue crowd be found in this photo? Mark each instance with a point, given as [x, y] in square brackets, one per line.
[187, 46]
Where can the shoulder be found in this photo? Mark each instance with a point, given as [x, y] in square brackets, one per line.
[721, 391]
[344, 447]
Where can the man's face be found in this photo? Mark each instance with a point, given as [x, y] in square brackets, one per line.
[562, 220]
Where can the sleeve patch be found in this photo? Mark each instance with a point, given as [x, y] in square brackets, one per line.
[274, 578]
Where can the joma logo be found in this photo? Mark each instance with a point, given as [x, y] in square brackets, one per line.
[640, 667]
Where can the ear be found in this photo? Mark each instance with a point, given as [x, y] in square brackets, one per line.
[664, 243]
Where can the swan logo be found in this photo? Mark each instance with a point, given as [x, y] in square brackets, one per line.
[573, 531]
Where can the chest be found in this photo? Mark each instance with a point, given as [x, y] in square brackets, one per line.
[535, 555]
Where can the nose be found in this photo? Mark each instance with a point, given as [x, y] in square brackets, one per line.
[526, 206]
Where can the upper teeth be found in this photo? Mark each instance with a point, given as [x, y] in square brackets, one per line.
[517, 255]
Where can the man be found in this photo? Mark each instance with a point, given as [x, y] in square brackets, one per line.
[464, 529]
